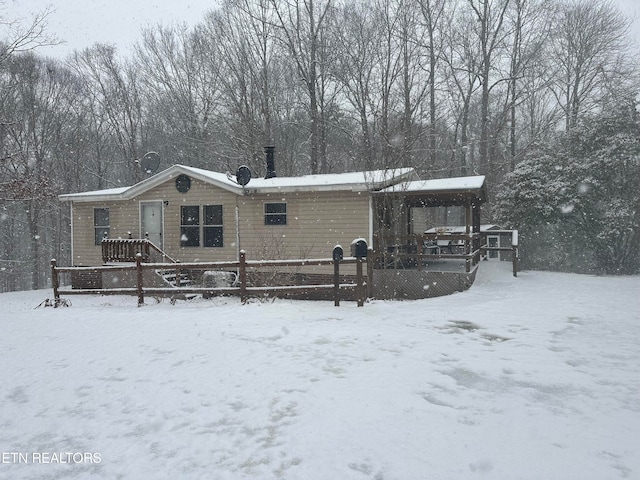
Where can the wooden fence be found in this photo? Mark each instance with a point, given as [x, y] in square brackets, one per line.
[243, 289]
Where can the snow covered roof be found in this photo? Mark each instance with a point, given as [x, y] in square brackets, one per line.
[456, 184]
[441, 191]
[353, 181]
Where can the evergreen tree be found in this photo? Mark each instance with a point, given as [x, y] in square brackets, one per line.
[577, 200]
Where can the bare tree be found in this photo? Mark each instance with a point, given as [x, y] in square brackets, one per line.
[463, 80]
[301, 26]
[180, 84]
[528, 28]
[17, 37]
[116, 86]
[436, 18]
[42, 104]
[530, 31]
[241, 37]
[413, 89]
[357, 37]
[489, 29]
[590, 47]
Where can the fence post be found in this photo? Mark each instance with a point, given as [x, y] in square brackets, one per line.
[243, 276]
[338, 254]
[359, 282]
[139, 279]
[336, 282]
[178, 274]
[55, 283]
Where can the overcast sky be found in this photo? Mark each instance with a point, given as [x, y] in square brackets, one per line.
[81, 23]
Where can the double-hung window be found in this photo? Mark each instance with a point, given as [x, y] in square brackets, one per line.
[201, 226]
[275, 213]
[212, 227]
[190, 226]
[101, 226]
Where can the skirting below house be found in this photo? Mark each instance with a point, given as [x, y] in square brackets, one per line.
[413, 284]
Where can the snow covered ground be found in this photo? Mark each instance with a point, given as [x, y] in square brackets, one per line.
[535, 377]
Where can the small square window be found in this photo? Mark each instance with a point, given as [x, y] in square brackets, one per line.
[213, 214]
[275, 213]
[190, 215]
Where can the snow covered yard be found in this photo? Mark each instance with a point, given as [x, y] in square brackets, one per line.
[530, 378]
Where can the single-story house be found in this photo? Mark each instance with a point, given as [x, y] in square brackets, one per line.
[196, 215]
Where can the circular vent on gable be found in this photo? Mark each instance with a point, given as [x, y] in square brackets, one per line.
[183, 183]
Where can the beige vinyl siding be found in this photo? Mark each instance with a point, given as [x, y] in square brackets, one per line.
[85, 251]
[200, 194]
[124, 217]
[316, 223]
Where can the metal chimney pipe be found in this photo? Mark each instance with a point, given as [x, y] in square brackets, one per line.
[271, 162]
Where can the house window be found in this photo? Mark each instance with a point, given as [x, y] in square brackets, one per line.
[193, 227]
[275, 213]
[212, 228]
[101, 225]
[190, 226]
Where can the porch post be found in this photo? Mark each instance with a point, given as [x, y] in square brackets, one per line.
[476, 229]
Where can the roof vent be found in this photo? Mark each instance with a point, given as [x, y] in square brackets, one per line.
[271, 163]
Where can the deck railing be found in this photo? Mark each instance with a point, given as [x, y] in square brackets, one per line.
[127, 249]
[411, 251]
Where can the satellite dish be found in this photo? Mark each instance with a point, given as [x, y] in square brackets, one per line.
[243, 175]
[150, 162]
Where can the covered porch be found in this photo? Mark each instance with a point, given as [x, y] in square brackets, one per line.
[428, 237]
[431, 225]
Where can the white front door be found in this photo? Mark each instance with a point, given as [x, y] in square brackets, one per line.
[151, 222]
